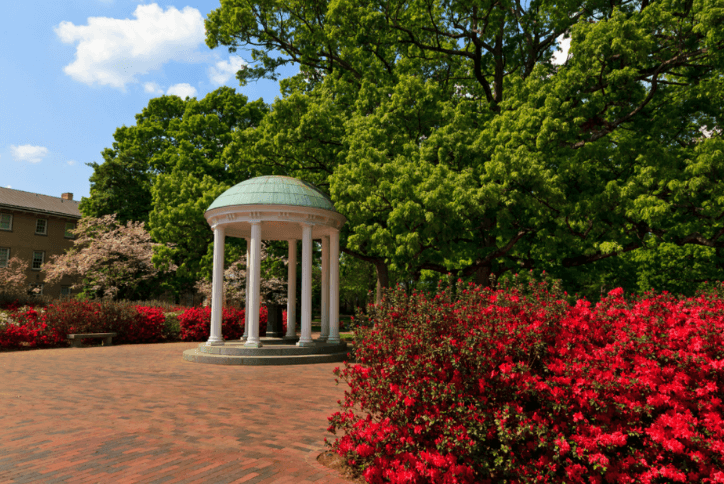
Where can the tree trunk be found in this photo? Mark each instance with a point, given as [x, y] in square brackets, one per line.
[383, 279]
[482, 276]
[483, 273]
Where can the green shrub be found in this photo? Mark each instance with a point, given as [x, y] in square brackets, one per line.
[172, 326]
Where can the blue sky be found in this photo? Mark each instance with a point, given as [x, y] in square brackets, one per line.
[73, 71]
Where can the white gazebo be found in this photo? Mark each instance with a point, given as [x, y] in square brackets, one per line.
[278, 208]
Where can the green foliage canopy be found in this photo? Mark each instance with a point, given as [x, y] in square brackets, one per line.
[452, 142]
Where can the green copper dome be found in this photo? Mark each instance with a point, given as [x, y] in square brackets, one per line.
[274, 190]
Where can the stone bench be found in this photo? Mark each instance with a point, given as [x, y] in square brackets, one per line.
[75, 339]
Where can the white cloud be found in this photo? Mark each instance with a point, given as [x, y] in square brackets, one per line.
[561, 55]
[152, 88]
[225, 70]
[114, 52]
[71, 162]
[182, 90]
[8, 186]
[29, 153]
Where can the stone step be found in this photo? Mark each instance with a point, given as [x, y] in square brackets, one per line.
[238, 349]
[197, 356]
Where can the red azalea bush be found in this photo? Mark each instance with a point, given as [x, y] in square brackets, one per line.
[29, 328]
[196, 323]
[37, 332]
[146, 326]
[498, 386]
[70, 317]
[13, 336]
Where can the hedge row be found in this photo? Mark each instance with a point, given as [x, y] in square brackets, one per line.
[50, 325]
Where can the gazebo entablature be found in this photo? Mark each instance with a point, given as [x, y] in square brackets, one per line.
[281, 222]
[299, 220]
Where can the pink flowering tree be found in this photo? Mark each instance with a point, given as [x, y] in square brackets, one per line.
[13, 278]
[113, 260]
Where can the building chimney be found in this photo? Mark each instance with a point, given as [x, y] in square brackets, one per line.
[67, 196]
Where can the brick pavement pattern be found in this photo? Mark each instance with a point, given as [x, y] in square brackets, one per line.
[140, 413]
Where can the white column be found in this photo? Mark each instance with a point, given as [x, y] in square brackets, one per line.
[254, 275]
[292, 291]
[306, 337]
[217, 287]
[333, 287]
[325, 289]
[246, 297]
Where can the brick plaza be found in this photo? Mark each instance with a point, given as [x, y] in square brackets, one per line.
[139, 413]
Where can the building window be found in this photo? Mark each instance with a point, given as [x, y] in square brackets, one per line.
[41, 226]
[4, 256]
[68, 227]
[38, 258]
[6, 221]
[36, 290]
[65, 290]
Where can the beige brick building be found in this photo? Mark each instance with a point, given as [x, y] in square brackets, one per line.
[35, 227]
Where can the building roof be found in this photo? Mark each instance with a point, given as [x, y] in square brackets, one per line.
[37, 203]
[274, 190]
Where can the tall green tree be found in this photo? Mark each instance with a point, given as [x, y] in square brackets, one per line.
[193, 174]
[167, 169]
[121, 184]
[452, 142]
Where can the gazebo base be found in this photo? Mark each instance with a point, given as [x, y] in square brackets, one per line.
[276, 351]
